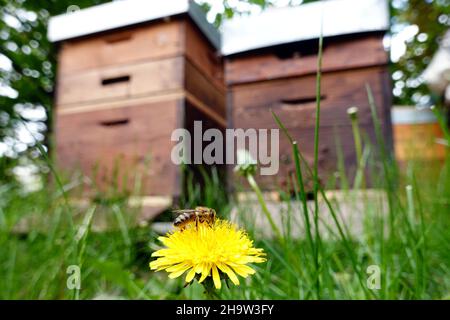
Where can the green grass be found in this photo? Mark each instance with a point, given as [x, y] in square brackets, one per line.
[409, 241]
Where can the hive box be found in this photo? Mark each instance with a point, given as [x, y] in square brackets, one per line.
[417, 135]
[130, 72]
[271, 64]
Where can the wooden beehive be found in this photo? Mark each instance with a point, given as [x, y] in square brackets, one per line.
[271, 64]
[130, 72]
[417, 135]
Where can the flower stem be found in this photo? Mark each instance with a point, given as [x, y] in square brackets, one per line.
[210, 291]
[316, 163]
[358, 149]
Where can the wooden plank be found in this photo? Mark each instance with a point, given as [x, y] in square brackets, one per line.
[118, 82]
[418, 142]
[156, 40]
[288, 61]
[192, 114]
[206, 110]
[133, 141]
[199, 86]
[163, 96]
[293, 100]
[174, 95]
[203, 55]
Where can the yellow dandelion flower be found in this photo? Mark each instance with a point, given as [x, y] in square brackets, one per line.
[205, 250]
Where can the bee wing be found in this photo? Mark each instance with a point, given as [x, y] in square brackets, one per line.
[184, 211]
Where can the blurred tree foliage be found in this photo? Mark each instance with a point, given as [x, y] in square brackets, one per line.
[27, 75]
[230, 8]
[428, 21]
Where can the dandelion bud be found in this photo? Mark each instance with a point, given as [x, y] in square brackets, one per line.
[353, 113]
[246, 164]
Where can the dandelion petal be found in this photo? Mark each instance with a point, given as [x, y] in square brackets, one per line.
[216, 278]
[190, 275]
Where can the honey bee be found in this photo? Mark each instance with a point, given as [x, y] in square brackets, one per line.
[197, 215]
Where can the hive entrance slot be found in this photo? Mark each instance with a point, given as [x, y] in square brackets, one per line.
[297, 50]
[303, 100]
[113, 123]
[118, 38]
[114, 80]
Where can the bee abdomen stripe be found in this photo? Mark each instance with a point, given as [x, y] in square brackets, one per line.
[181, 218]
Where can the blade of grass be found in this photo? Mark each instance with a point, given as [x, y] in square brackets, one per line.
[300, 180]
[348, 246]
[387, 163]
[316, 160]
[263, 205]
[81, 238]
[442, 123]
